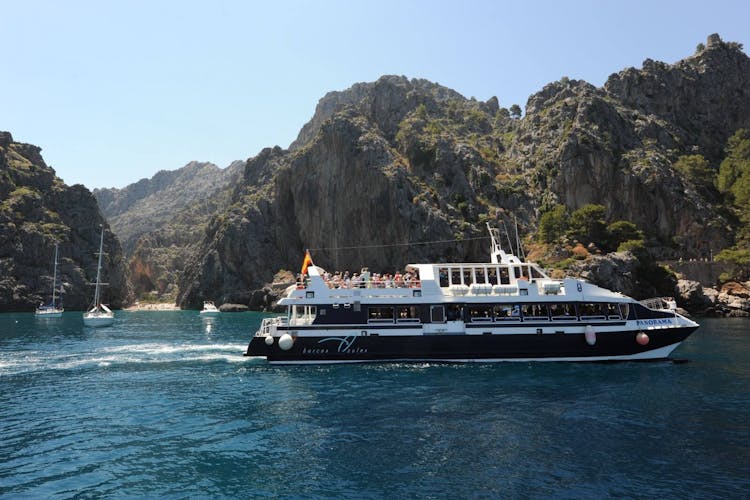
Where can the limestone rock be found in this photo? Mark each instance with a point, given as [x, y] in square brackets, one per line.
[690, 295]
[37, 210]
[385, 165]
[615, 271]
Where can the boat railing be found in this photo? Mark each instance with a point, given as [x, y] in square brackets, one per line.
[660, 303]
[268, 324]
[364, 285]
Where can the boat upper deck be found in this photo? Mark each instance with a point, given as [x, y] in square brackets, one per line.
[449, 282]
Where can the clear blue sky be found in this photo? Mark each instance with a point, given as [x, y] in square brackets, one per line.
[115, 91]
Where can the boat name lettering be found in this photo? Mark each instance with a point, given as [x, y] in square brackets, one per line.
[314, 350]
[345, 344]
[651, 322]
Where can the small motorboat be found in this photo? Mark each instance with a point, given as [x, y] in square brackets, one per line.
[209, 309]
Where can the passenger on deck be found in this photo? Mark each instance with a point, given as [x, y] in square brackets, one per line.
[398, 280]
[365, 276]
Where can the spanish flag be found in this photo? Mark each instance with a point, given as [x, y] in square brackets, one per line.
[306, 262]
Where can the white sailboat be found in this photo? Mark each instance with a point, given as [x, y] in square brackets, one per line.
[99, 314]
[52, 310]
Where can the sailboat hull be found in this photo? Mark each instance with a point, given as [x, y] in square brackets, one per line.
[98, 320]
[48, 313]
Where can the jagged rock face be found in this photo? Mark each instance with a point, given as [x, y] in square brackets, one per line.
[38, 209]
[590, 147]
[386, 102]
[348, 188]
[150, 204]
[401, 161]
[706, 97]
[160, 221]
[616, 271]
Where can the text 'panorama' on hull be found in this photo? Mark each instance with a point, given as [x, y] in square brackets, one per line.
[504, 310]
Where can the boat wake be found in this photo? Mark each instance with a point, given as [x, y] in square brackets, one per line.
[116, 356]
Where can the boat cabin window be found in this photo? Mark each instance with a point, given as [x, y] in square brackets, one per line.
[613, 312]
[482, 275]
[303, 313]
[506, 312]
[535, 312]
[624, 311]
[594, 310]
[443, 273]
[521, 272]
[453, 312]
[380, 314]
[504, 278]
[407, 314]
[468, 276]
[536, 273]
[603, 311]
[437, 314]
[564, 311]
[479, 313]
[455, 276]
[492, 276]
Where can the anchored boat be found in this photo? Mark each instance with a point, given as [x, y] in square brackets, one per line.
[209, 309]
[99, 314]
[54, 309]
[504, 310]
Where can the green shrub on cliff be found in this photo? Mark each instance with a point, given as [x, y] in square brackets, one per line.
[739, 258]
[588, 224]
[553, 224]
[734, 172]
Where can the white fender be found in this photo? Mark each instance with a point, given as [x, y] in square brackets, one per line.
[269, 340]
[590, 335]
[285, 342]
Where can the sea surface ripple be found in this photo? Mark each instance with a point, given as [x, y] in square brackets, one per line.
[163, 404]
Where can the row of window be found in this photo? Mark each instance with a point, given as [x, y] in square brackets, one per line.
[477, 313]
[538, 312]
[487, 275]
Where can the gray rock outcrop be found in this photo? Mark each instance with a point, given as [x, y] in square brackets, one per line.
[37, 210]
[385, 165]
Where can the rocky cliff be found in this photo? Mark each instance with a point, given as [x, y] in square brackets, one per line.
[149, 204]
[385, 166]
[36, 210]
[160, 220]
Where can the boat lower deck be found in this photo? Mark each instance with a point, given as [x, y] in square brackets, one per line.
[616, 345]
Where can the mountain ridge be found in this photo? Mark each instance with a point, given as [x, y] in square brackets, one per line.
[398, 161]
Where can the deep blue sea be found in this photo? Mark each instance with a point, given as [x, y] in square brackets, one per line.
[163, 404]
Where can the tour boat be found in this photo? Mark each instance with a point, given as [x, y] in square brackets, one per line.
[504, 310]
[99, 314]
[53, 309]
[209, 309]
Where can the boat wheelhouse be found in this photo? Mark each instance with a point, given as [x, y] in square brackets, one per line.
[504, 310]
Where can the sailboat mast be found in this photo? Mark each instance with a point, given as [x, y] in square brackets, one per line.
[99, 270]
[54, 278]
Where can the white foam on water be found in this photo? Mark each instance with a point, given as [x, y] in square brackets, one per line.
[109, 357]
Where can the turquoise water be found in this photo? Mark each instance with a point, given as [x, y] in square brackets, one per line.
[163, 404]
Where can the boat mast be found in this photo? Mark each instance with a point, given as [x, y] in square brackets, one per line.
[518, 240]
[99, 269]
[54, 278]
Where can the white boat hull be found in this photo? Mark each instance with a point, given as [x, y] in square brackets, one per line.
[48, 314]
[98, 320]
